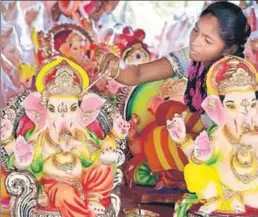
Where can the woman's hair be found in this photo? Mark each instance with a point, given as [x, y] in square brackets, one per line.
[234, 27]
[234, 30]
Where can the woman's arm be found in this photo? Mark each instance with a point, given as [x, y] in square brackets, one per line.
[176, 63]
[137, 74]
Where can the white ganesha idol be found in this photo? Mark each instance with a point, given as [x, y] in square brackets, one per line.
[223, 161]
[75, 172]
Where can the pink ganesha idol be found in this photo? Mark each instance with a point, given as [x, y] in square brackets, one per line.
[75, 174]
[223, 161]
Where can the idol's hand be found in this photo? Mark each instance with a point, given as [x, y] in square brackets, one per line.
[203, 147]
[6, 129]
[23, 153]
[97, 208]
[176, 128]
[120, 126]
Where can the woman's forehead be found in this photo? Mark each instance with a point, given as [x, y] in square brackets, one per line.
[209, 26]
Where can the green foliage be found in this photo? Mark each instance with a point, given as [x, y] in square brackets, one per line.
[37, 165]
[190, 200]
[28, 134]
[85, 163]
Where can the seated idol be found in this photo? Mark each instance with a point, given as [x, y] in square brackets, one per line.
[74, 172]
[223, 161]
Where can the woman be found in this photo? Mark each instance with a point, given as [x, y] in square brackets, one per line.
[221, 30]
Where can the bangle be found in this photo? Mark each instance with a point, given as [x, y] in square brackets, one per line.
[187, 144]
[6, 141]
[195, 160]
[208, 200]
[115, 135]
[187, 138]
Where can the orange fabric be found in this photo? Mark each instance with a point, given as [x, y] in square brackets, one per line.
[152, 153]
[4, 193]
[160, 155]
[66, 198]
[164, 142]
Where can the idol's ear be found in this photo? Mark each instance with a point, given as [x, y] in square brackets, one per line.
[256, 116]
[213, 107]
[34, 109]
[89, 109]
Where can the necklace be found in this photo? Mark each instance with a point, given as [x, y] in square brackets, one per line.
[69, 166]
[242, 149]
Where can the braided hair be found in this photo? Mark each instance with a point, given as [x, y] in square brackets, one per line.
[234, 30]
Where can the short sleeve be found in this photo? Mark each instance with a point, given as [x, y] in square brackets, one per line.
[180, 61]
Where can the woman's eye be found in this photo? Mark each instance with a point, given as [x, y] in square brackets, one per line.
[51, 109]
[74, 108]
[253, 105]
[208, 42]
[195, 30]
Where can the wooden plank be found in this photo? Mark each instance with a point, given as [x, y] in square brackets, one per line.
[141, 194]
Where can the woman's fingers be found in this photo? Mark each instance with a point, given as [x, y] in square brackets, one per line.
[99, 55]
[106, 61]
[108, 64]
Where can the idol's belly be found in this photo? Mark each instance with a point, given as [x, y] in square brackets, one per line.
[52, 169]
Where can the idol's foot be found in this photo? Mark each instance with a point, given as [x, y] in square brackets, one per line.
[238, 205]
[210, 207]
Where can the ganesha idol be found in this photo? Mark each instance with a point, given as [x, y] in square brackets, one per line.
[154, 159]
[74, 171]
[223, 161]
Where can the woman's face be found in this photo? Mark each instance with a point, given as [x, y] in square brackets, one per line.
[206, 45]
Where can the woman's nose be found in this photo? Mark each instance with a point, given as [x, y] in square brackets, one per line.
[196, 42]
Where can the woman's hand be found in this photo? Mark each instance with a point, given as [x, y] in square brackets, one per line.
[108, 63]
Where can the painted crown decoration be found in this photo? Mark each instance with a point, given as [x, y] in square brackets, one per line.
[62, 77]
[65, 82]
[231, 74]
[237, 79]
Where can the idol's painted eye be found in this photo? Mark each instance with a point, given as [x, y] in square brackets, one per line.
[253, 105]
[51, 108]
[230, 106]
[74, 108]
